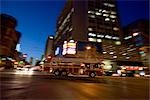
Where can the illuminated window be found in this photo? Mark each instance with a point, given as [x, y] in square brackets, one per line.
[107, 19]
[92, 39]
[97, 13]
[90, 29]
[104, 52]
[90, 12]
[100, 10]
[100, 36]
[127, 57]
[135, 34]
[92, 34]
[111, 5]
[99, 40]
[72, 10]
[92, 16]
[132, 49]
[116, 38]
[114, 56]
[113, 20]
[70, 29]
[112, 12]
[105, 15]
[111, 53]
[128, 37]
[108, 37]
[118, 43]
[106, 4]
[112, 16]
[104, 11]
[115, 28]
[124, 54]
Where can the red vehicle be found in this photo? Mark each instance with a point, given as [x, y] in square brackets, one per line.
[75, 66]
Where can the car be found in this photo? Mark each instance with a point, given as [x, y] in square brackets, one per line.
[35, 68]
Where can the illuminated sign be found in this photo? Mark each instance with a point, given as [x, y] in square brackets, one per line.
[57, 51]
[69, 47]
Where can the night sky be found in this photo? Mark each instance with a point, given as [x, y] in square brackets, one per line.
[37, 19]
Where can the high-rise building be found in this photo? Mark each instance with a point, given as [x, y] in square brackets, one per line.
[90, 21]
[94, 23]
[136, 37]
[49, 46]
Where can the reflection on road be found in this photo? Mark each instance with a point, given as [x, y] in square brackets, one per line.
[39, 86]
[25, 72]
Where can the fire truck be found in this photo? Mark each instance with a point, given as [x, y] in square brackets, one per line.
[62, 66]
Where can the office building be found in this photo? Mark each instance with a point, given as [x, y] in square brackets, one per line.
[136, 37]
[49, 46]
[91, 22]
[9, 38]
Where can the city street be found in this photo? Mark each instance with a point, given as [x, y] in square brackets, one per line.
[42, 86]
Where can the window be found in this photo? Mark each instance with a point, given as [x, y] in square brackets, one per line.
[128, 37]
[90, 12]
[105, 15]
[109, 5]
[113, 20]
[99, 40]
[92, 34]
[97, 13]
[92, 16]
[90, 29]
[108, 37]
[116, 38]
[118, 43]
[92, 39]
[113, 12]
[115, 28]
[107, 19]
[112, 16]
[100, 36]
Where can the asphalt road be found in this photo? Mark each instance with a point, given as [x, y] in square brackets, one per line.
[41, 86]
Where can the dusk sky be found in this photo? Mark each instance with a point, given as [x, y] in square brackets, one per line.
[37, 19]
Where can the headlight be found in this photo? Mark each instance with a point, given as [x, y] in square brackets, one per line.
[51, 70]
[81, 71]
[142, 73]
